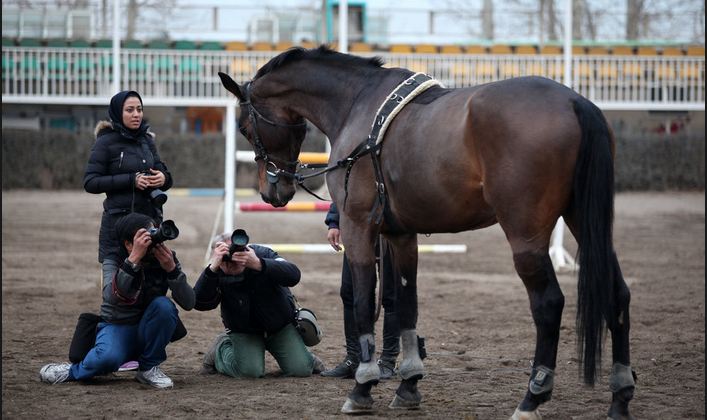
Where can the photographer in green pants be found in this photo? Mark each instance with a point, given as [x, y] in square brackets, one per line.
[251, 283]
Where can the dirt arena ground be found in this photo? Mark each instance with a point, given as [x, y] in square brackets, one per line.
[474, 314]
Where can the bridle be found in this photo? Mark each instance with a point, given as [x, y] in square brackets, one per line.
[271, 169]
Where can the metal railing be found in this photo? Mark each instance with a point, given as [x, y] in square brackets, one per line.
[84, 75]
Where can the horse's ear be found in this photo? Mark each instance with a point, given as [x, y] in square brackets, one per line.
[231, 86]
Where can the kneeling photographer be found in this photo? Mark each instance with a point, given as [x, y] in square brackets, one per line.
[251, 283]
[137, 320]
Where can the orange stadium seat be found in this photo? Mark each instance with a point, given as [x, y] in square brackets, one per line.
[550, 50]
[236, 46]
[621, 50]
[598, 51]
[647, 51]
[525, 50]
[578, 50]
[283, 45]
[401, 48]
[261, 46]
[425, 49]
[360, 47]
[696, 50]
[475, 49]
[672, 51]
[500, 49]
[450, 49]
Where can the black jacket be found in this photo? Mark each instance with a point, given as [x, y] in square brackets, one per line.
[129, 292]
[332, 217]
[115, 159]
[254, 302]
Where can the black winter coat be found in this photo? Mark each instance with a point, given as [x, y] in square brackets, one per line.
[116, 157]
[254, 302]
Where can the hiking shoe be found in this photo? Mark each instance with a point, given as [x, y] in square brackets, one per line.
[387, 368]
[345, 369]
[208, 365]
[154, 377]
[318, 366]
[55, 373]
[131, 365]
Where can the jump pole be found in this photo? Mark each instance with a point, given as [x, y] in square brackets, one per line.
[561, 259]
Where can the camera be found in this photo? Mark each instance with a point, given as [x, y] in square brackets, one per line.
[239, 240]
[167, 231]
[157, 196]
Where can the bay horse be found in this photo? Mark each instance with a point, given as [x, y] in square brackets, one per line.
[520, 152]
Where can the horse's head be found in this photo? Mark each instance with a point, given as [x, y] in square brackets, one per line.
[276, 135]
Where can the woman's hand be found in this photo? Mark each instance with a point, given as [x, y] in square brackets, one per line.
[142, 181]
[334, 238]
[156, 180]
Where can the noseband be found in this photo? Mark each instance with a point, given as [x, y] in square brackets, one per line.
[271, 169]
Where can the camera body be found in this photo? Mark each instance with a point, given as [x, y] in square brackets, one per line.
[157, 196]
[165, 232]
[239, 240]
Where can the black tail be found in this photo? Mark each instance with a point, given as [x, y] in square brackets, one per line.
[594, 211]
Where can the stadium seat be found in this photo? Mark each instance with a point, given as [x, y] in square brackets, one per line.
[79, 43]
[672, 51]
[8, 65]
[578, 50]
[30, 66]
[158, 44]
[30, 42]
[525, 50]
[451, 49]
[400, 48]
[550, 50]
[475, 49]
[184, 45]
[597, 51]
[500, 49]
[644, 50]
[621, 50]
[261, 46]
[8, 42]
[360, 47]
[236, 46]
[696, 51]
[132, 43]
[57, 43]
[211, 46]
[425, 49]
[283, 45]
[104, 43]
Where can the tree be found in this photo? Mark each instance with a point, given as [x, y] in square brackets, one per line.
[634, 18]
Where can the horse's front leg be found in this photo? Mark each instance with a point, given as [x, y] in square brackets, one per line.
[361, 257]
[411, 368]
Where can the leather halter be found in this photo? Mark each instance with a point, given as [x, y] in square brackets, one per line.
[271, 168]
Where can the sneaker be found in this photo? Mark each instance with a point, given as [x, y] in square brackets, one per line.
[208, 365]
[55, 373]
[154, 377]
[131, 365]
[387, 368]
[345, 369]
[318, 366]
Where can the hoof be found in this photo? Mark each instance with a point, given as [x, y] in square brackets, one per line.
[352, 407]
[620, 417]
[400, 403]
[526, 415]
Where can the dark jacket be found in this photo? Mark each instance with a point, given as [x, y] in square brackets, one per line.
[254, 302]
[128, 294]
[332, 217]
[116, 157]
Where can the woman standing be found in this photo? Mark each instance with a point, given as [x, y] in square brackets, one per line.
[124, 164]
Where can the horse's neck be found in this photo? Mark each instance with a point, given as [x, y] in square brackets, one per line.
[326, 97]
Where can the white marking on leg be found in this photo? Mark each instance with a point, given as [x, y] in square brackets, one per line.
[411, 364]
[404, 281]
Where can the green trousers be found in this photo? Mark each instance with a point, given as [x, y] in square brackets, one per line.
[243, 355]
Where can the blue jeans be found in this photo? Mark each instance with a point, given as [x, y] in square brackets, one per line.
[145, 342]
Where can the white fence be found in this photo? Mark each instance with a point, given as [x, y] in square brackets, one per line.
[84, 75]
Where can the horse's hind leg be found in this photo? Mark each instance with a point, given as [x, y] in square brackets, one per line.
[546, 303]
[622, 381]
[411, 369]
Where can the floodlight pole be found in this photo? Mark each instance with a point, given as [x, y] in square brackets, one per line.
[116, 46]
[558, 254]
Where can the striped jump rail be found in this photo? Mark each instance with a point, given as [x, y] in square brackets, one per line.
[327, 249]
[292, 206]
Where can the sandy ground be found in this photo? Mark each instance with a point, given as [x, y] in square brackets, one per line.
[473, 311]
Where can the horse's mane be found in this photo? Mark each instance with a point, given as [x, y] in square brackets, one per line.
[321, 53]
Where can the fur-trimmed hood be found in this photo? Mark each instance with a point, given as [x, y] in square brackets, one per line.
[108, 125]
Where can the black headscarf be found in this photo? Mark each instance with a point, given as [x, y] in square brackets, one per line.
[115, 112]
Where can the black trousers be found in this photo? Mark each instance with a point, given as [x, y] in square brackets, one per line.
[391, 328]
